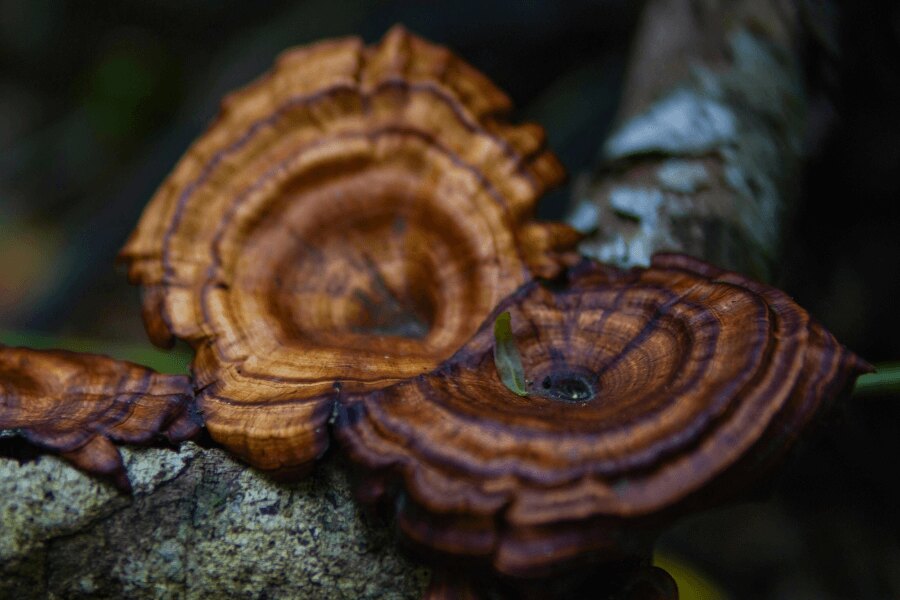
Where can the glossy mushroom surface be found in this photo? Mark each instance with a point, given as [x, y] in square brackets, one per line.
[79, 404]
[650, 392]
[348, 221]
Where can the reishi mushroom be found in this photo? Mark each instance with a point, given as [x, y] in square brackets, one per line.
[348, 221]
[651, 392]
[79, 404]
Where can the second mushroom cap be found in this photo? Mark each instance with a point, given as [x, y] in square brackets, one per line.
[651, 392]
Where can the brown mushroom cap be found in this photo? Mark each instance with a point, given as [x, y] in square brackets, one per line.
[651, 391]
[348, 220]
[78, 404]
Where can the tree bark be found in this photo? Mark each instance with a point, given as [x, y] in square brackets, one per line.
[199, 525]
[710, 136]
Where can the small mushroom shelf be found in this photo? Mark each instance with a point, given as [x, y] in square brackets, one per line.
[337, 248]
[78, 404]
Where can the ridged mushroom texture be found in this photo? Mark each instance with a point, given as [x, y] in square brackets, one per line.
[647, 393]
[79, 404]
[348, 221]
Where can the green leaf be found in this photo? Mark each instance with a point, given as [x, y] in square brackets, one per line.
[693, 584]
[506, 356]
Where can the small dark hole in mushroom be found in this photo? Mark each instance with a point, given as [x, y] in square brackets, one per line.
[557, 284]
[568, 387]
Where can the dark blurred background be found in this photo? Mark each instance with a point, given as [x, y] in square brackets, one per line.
[99, 99]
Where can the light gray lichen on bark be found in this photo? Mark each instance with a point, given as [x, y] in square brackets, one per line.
[705, 166]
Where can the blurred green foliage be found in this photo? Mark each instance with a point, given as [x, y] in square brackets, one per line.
[175, 361]
[120, 89]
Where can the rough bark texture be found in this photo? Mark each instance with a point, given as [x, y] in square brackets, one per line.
[710, 138]
[199, 525]
[702, 163]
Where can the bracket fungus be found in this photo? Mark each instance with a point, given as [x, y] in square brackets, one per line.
[650, 392]
[348, 221]
[79, 404]
[340, 244]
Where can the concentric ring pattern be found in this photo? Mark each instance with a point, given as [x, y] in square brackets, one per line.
[650, 391]
[348, 221]
[79, 404]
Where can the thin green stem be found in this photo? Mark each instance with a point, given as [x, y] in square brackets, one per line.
[884, 381]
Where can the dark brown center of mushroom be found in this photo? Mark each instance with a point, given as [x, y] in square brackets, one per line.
[390, 315]
[367, 259]
[369, 276]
